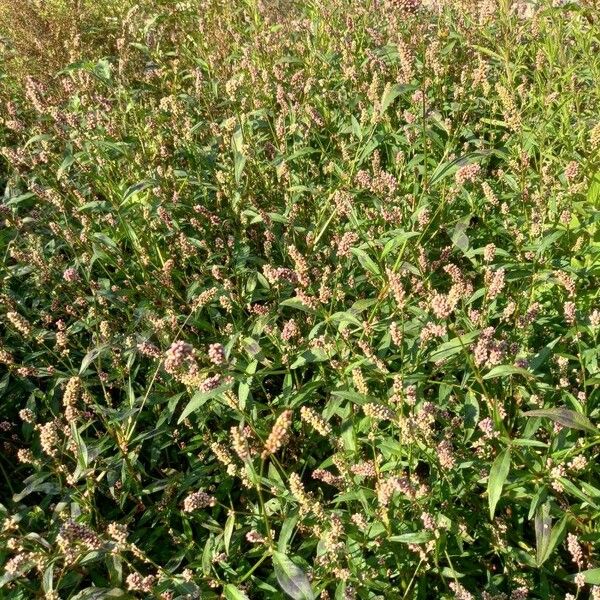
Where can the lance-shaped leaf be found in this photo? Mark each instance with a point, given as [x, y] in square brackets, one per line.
[233, 593]
[543, 524]
[546, 536]
[417, 537]
[91, 356]
[506, 370]
[459, 235]
[566, 417]
[228, 531]
[498, 475]
[199, 399]
[291, 578]
[389, 95]
[591, 576]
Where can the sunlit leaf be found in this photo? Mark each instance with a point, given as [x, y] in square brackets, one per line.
[291, 578]
[497, 478]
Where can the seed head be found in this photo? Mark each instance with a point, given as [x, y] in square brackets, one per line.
[278, 434]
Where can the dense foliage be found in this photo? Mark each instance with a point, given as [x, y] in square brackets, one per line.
[300, 299]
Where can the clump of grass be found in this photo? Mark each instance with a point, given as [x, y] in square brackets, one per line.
[300, 299]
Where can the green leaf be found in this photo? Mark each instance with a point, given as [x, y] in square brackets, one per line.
[593, 194]
[43, 137]
[251, 346]
[536, 501]
[591, 576]
[366, 261]
[243, 393]
[390, 93]
[448, 168]
[353, 396]
[470, 413]
[498, 475]
[345, 317]
[297, 304]
[199, 399]
[453, 346]
[37, 485]
[529, 443]
[228, 531]
[18, 199]
[82, 451]
[96, 593]
[356, 129]
[64, 166]
[310, 356]
[399, 237]
[459, 236]
[91, 356]
[547, 241]
[506, 370]
[114, 565]
[233, 593]
[547, 537]
[48, 579]
[361, 305]
[566, 417]
[417, 537]
[589, 489]
[449, 573]
[102, 70]
[136, 188]
[239, 162]
[490, 52]
[543, 524]
[291, 578]
[542, 356]
[207, 554]
[572, 489]
[287, 529]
